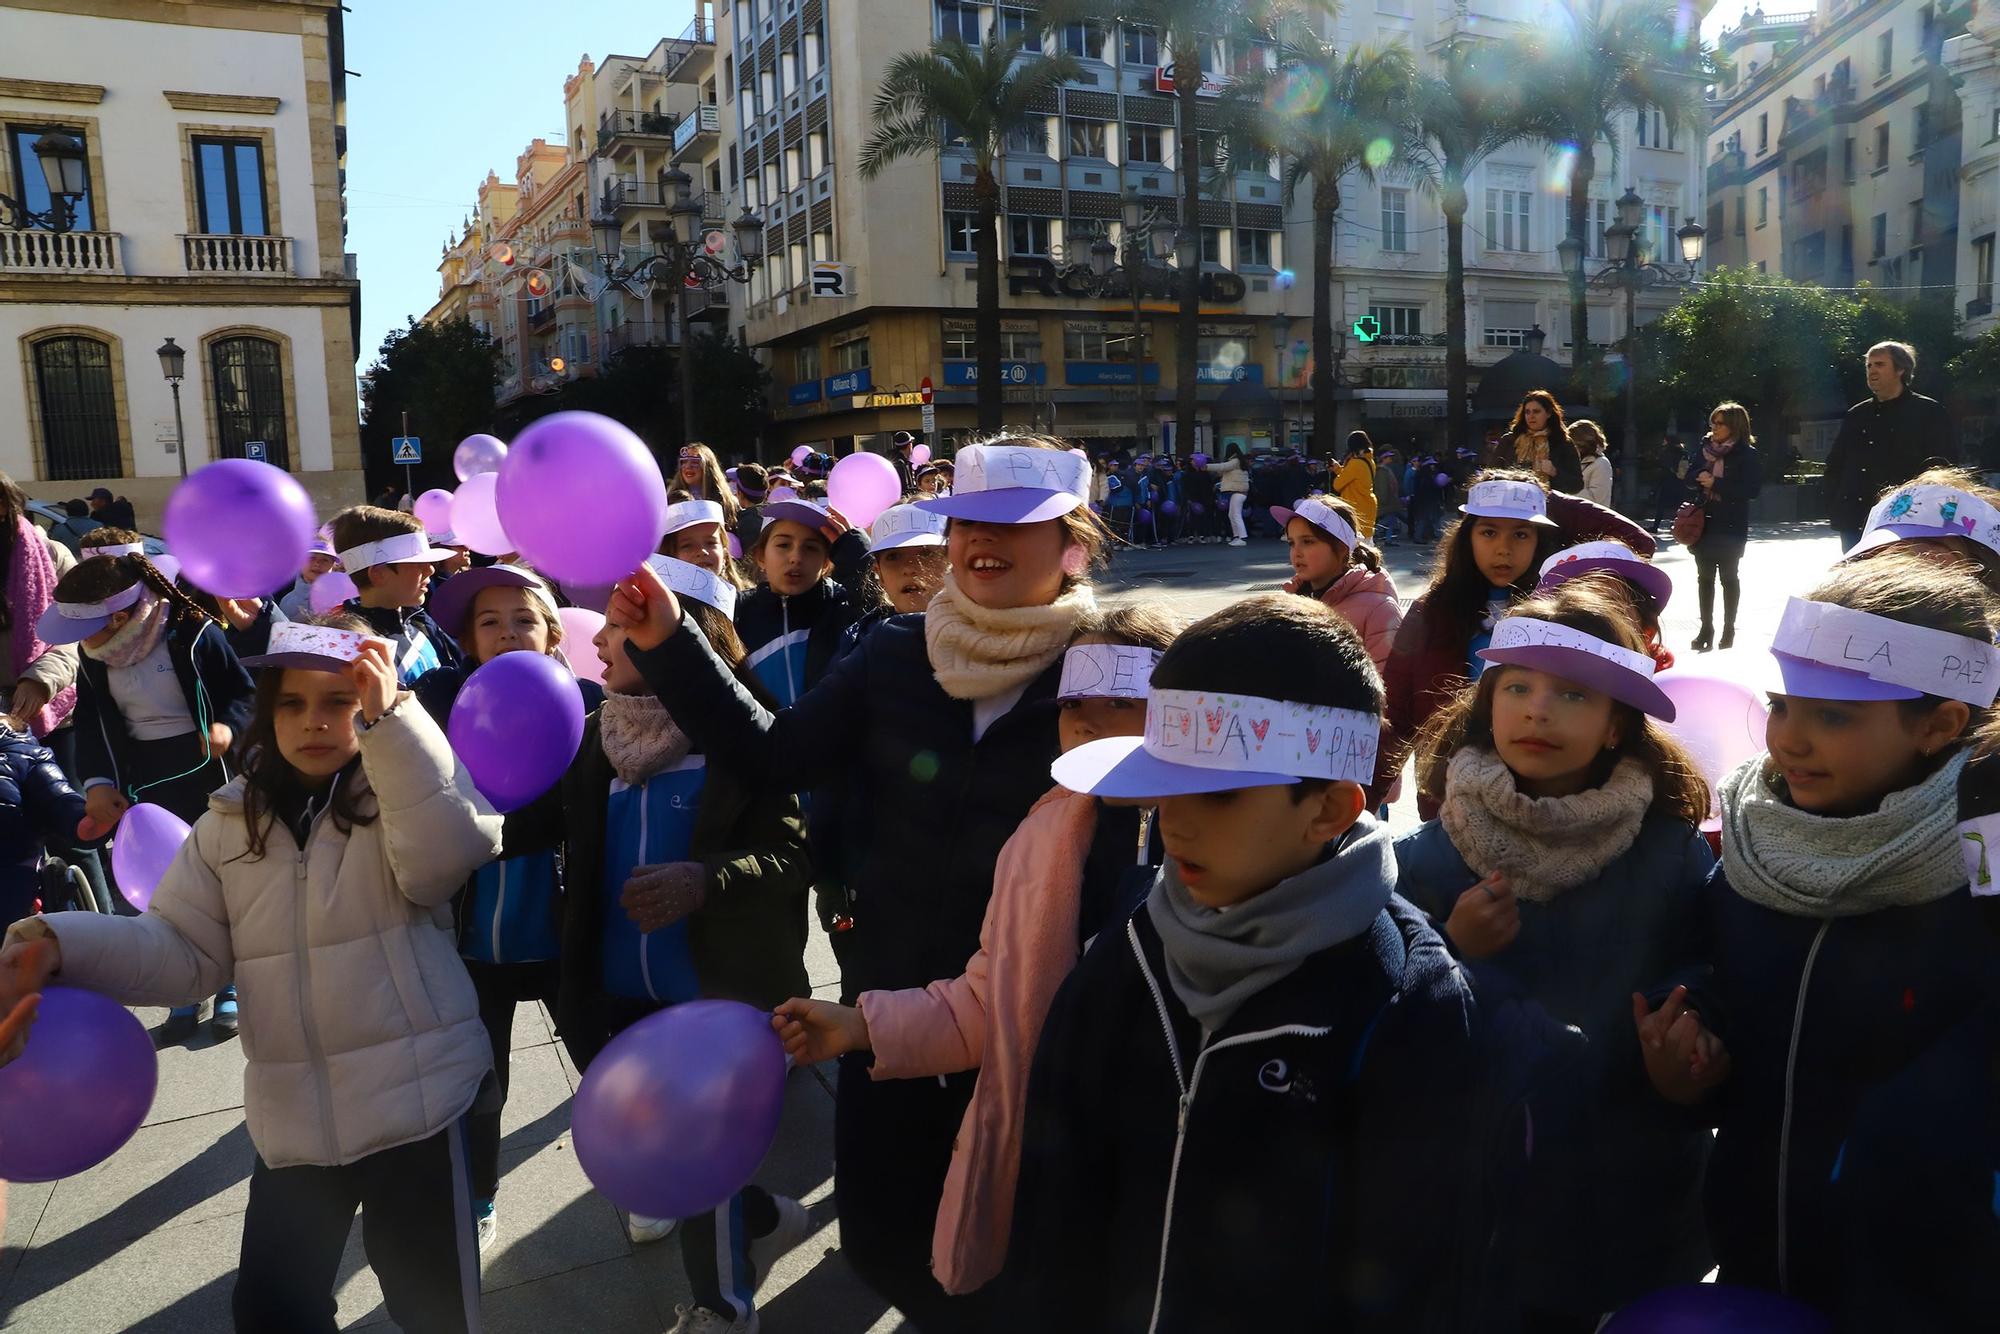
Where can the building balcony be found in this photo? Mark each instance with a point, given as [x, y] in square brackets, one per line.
[637, 333]
[692, 54]
[652, 127]
[259, 256]
[697, 130]
[29, 251]
[542, 317]
[623, 193]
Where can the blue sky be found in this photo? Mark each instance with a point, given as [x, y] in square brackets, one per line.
[447, 90]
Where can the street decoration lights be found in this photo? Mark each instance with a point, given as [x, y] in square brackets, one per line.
[1149, 235]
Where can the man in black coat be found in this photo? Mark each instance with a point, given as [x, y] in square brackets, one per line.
[1886, 439]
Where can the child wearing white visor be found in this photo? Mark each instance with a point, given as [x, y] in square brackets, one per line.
[1843, 943]
[1052, 894]
[1270, 972]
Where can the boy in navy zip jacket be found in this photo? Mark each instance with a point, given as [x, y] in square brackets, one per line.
[791, 625]
[390, 558]
[1250, 1108]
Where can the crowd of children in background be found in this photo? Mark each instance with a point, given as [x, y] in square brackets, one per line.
[1146, 1021]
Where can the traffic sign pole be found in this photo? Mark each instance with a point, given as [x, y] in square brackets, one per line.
[930, 415]
[409, 473]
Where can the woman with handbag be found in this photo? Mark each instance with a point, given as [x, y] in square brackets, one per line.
[1724, 476]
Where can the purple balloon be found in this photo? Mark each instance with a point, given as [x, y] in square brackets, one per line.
[735, 546]
[517, 723]
[79, 1091]
[674, 1116]
[1142, 515]
[473, 520]
[477, 454]
[240, 528]
[434, 508]
[1168, 509]
[149, 838]
[800, 454]
[330, 590]
[582, 498]
[861, 486]
[1198, 508]
[1717, 1308]
[1443, 479]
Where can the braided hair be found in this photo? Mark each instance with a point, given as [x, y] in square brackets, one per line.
[101, 577]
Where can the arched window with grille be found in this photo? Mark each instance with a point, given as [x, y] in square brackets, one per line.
[76, 392]
[250, 397]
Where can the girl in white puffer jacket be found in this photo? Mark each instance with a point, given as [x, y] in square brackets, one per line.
[321, 879]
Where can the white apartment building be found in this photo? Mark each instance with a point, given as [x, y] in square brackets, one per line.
[1834, 148]
[1973, 59]
[211, 212]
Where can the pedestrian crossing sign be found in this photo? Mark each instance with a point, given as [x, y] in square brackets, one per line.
[409, 449]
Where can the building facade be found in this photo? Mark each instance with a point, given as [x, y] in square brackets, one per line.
[847, 368]
[1834, 146]
[212, 213]
[1973, 60]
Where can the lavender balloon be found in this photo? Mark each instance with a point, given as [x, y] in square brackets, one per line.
[580, 626]
[79, 1091]
[517, 724]
[1720, 719]
[800, 454]
[477, 454]
[240, 528]
[434, 508]
[582, 497]
[331, 590]
[861, 486]
[149, 838]
[473, 520]
[674, 1116]
[920, 454]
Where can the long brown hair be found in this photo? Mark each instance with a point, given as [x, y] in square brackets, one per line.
[1558, 429]
[714, 483]
[267, 775]
[1455, 601]
[1679, 790]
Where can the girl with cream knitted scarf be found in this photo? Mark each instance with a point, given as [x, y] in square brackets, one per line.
[980, 652]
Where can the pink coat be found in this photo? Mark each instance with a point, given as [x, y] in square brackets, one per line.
[1367, 600]
[990, 1018]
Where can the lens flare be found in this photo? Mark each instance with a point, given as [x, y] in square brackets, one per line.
[1378, 152]
[1228, 357]
[1286, 279]
[1300, 92]
[1562, 166]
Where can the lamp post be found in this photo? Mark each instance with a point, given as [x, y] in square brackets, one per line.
[685, 257]
[1629, 269]
[1145, 231]
[173, 365]
[63, 170]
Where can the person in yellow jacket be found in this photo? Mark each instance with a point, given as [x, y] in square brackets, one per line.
[1355, 482]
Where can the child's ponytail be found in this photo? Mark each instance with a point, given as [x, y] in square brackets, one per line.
[101, 577]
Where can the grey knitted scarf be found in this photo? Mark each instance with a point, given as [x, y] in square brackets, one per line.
[1905, 852]
[1218, 960]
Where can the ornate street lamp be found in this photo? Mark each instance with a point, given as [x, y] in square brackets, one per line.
[173, 365]
[65, 167]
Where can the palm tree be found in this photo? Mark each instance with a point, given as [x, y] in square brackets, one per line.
[1185, 27]
[1578, 73]
[974, 96]
[1325, 115]
[1461, 114]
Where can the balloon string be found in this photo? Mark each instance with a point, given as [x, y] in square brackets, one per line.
[201, 730]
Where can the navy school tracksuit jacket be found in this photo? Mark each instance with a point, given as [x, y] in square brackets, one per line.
[1307, 1167]
[421, 645]
[511, 910]
[789, 642]
[1823, 1017]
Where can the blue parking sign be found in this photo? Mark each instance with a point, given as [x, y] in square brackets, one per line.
[258, 450]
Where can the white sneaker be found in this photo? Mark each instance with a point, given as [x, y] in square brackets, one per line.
[794, 1226]
[1237, 542]
[642, 1229]
[489, 1225]
[701, 1320]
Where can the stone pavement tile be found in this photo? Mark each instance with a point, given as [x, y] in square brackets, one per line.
[538, 1095]
[202, 1075]
[551, 1221]
[172, 1280]
[26, 1201]
[532, 1027]
[171, 1179]
[606, 1298]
